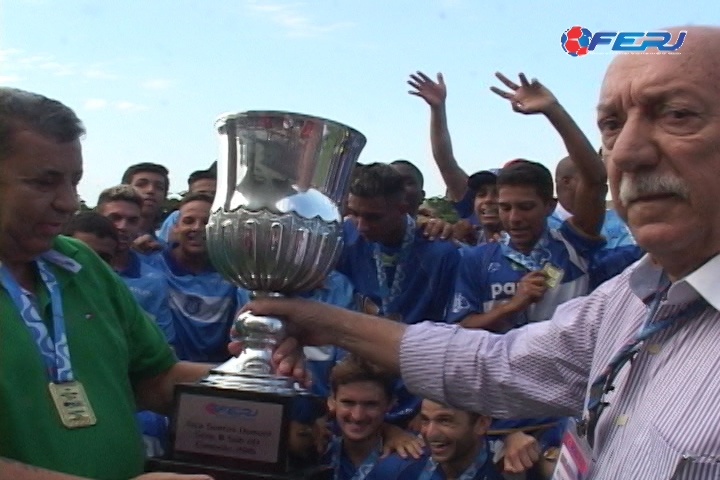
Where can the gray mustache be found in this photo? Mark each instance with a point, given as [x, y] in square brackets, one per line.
[645, 184]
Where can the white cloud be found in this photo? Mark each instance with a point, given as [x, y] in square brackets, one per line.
[291, 17]
[95, 103]
[156, 84]
[9, 79]
[129, 106]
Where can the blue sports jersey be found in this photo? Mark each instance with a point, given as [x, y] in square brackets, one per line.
[150, 288]
[488, 277]
[608, 263]
[424, 294]
[482, 468]
[163, 233]
[428, 276]
[614, 229]
[388, 468]
[202, 305]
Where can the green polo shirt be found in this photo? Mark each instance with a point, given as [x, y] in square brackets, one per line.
[112, 346]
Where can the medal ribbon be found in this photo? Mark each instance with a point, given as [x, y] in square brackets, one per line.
[468, 474]
[56, 355]
[536, 259]
[365, 467]
[390, 293]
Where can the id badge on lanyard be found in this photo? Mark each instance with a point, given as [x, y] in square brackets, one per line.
[575, 459]
[68, 395]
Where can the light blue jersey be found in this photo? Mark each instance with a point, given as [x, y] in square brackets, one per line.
[614, 229]
[488, 275]
[150, 288]
[202, 305]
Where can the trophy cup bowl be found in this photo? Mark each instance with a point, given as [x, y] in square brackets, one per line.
[275, 229]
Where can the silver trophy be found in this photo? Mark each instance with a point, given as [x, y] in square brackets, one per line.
[275, 229]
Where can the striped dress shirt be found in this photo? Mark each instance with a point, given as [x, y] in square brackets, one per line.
[663, 420]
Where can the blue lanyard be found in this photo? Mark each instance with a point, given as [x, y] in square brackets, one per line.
[365, 467]
[56, 354]
[603, 382]
[390, 293]
[536, 259]
[469, 474]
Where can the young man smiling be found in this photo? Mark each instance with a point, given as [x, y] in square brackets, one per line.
[533, 269]
[361, 396]
[457, 446]
[201, 301]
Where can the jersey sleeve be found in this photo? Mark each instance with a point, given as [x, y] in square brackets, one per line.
[444, 284]
[467, 292]
[585, 245]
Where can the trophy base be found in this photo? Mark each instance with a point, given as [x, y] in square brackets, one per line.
[258, 425]
[322, 472]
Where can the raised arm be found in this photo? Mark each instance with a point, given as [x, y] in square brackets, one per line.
[435, 93]
[531, 98]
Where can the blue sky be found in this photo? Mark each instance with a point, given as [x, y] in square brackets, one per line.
[149, 77]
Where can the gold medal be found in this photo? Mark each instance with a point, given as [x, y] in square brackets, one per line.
[553, 275]
[72, 404]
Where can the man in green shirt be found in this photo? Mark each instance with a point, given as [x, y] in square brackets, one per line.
[77, 355]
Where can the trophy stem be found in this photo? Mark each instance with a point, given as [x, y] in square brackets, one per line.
[259, 336]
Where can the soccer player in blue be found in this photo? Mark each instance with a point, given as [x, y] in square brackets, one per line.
[396, 271]
[361, 395]
[201, 181]
[457, 446]
[202, 303]
[122, 205]
[152, 183]
[533, 269]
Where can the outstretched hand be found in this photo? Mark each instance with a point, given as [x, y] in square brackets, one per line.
[434, 93]
[528, 97]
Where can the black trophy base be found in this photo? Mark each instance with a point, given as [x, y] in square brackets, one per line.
[220, 425]
[220, 473]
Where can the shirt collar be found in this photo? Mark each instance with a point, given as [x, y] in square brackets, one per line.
[700, 283]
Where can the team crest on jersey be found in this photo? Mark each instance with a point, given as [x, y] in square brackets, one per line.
[493, 267]
[192, 305]
[459, 303]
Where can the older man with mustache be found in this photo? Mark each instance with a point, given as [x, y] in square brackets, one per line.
[654, 417]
